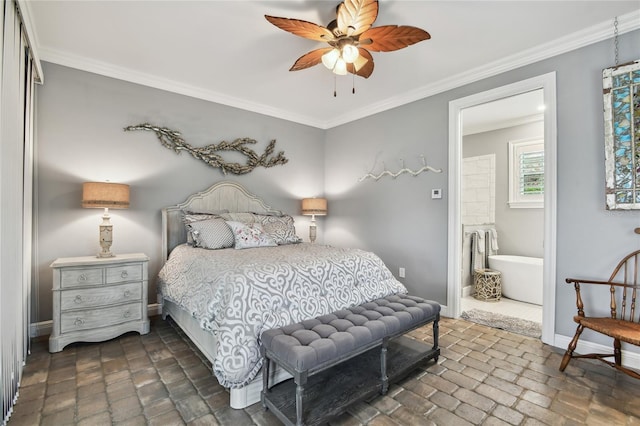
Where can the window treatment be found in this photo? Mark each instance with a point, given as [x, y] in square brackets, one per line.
[17, 78]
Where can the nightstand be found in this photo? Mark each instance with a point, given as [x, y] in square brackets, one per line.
[96, 299]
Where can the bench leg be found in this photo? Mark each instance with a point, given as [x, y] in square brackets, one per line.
[301, 380]
[436, 333]
[265, 380]
[383, 368]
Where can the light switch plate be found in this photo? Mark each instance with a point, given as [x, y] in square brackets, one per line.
[436, 193]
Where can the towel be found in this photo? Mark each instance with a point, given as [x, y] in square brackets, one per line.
[480, 241]
[478, 256]
[493, 241]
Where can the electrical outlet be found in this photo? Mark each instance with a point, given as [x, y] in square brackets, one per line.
[436, 194]
[401, 273]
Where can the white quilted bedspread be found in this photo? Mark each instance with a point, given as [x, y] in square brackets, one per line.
[237, 294]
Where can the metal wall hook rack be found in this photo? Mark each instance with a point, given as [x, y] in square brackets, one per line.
[404, 170]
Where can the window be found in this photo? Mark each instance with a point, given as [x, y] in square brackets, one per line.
[526, 174]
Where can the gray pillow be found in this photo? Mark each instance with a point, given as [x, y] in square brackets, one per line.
[211, 234]
[190, 216]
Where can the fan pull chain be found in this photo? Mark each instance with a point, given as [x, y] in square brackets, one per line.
[353, 84]
[334, 86]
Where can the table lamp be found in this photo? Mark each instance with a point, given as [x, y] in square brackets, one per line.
[314, 207]
[105, 195]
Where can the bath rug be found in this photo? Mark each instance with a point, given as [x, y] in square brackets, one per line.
[503, 322]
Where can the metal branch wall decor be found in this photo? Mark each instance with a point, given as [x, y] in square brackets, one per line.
[209, 154]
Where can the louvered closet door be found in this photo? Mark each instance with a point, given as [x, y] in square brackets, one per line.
[16, 180]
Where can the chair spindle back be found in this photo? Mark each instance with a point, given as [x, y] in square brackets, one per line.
[624, 288]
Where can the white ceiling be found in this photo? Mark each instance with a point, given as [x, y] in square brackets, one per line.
[226, 52]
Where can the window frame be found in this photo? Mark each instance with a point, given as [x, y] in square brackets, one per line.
[516, 199]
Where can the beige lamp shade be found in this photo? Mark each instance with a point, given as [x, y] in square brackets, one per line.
[314, 206]
[105, 195]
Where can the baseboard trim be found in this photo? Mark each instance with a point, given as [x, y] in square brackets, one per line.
[154, 309]
[467, 291]
[44, 328]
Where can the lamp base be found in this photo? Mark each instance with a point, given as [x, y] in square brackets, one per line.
[312, 232]
[106, 236]
[103, 254]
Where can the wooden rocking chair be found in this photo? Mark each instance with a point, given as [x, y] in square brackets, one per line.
[623, 324]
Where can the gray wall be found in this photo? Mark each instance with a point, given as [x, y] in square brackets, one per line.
[80, 117]
[398, 220]
[520, 231]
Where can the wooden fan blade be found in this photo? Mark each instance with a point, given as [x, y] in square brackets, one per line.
[301, 28]
[310, 59]
[356, 16]
[393, 37]
[362, 69]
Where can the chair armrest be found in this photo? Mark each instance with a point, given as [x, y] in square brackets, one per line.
[583, 281]
[596, 282]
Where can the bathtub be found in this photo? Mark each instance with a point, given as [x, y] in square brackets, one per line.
[521, 277]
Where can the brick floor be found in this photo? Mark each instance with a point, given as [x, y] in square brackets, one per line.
[484, 376]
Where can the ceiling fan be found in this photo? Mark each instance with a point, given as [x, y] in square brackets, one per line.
[350, 37]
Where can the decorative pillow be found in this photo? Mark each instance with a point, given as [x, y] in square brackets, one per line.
[211, 234]
[277, 214]
[216, 212]
[239, 217]
[249, 235]
[280, 228]
[189, 217]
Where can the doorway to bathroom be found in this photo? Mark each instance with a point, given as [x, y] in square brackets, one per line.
[502, 157]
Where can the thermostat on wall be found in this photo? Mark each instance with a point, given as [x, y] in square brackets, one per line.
[436, 193]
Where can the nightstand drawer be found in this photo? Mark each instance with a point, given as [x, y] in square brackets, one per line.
[101, 296]
[84, 320]
[119, 274]
[80, 277]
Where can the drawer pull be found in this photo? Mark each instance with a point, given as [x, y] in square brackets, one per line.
[78, 299]
[124, 274]
[127, 293]
[127, 314]
[79, 321]
[82, 278]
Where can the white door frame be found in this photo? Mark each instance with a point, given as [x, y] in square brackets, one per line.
[547, 82]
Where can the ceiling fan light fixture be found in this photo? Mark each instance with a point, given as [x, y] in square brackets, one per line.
[350, 53]
[341, 67]
[330, 58]
[351, 37]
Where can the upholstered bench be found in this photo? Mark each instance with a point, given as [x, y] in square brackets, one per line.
[358, 335]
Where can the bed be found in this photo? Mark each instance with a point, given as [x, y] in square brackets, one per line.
[223, 299]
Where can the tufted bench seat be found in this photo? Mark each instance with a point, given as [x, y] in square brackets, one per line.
[312, 346]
